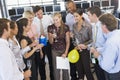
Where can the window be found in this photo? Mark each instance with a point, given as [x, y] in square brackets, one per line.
[12, 2]
[19, 3]
[24, 2]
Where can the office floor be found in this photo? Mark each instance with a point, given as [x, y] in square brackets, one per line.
[47, 72]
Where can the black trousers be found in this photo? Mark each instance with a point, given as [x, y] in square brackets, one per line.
[83, 66]
[99, 72]
[73, 70]
[40, 63]
[33, 67]
[48, 52]
[112, 76]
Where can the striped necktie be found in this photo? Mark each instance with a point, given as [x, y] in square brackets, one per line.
[95, 31]
[41, 28]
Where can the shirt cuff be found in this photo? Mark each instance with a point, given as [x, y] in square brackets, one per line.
[99, 58]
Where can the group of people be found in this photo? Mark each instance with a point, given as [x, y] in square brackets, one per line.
[19, 44]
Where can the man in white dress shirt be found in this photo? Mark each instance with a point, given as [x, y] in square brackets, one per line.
[8, 66]
[42, 22]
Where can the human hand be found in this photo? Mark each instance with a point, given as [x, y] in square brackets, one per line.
[64, 55]
[27, 74]
[82, 46]
[78, 48]
[94, 52]
[41, 54]
[71, 34]
[40, 46]
[33, 44]
[54, 35]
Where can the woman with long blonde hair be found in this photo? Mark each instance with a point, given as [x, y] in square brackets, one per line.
[58, 34]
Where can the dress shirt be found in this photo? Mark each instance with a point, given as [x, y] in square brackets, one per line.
[46, 21]
[70, 21]
[109, 60]
[100, 36]
[33, 31]
[8, 66]
[15, 47]
[84, 36]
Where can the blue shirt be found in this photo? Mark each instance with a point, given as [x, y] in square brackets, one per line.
[109, 60]
[100, 37]
[70, 20]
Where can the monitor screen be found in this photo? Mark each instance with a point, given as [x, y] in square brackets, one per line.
[12, 12]
[49, 8]
[85, 5]
[20, 10]
[105, 3]
[97, 4]
[57, 8]
[78, 5]
[14, 18]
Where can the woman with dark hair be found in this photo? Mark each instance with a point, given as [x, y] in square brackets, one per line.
[15, 47]
[82, 36]
[24, 40]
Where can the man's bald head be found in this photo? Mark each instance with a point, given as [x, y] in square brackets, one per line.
[71, 7]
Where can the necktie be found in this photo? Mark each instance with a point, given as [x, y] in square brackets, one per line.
[95, 30]
[41, 28]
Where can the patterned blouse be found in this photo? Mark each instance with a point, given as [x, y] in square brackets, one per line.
[15, 47]
[61, 38]
[84, 35]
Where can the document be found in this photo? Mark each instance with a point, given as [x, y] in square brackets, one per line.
[62, 63]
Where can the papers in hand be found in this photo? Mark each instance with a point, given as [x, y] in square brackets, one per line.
[62, 63]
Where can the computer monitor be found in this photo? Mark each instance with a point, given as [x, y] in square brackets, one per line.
[66, 0]
[14, 18]
[105, 3]
[49, 8]
[12, 12]
[78, 5]
[57, 8]
[20, 10]
[96, 4]
[85, 5]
